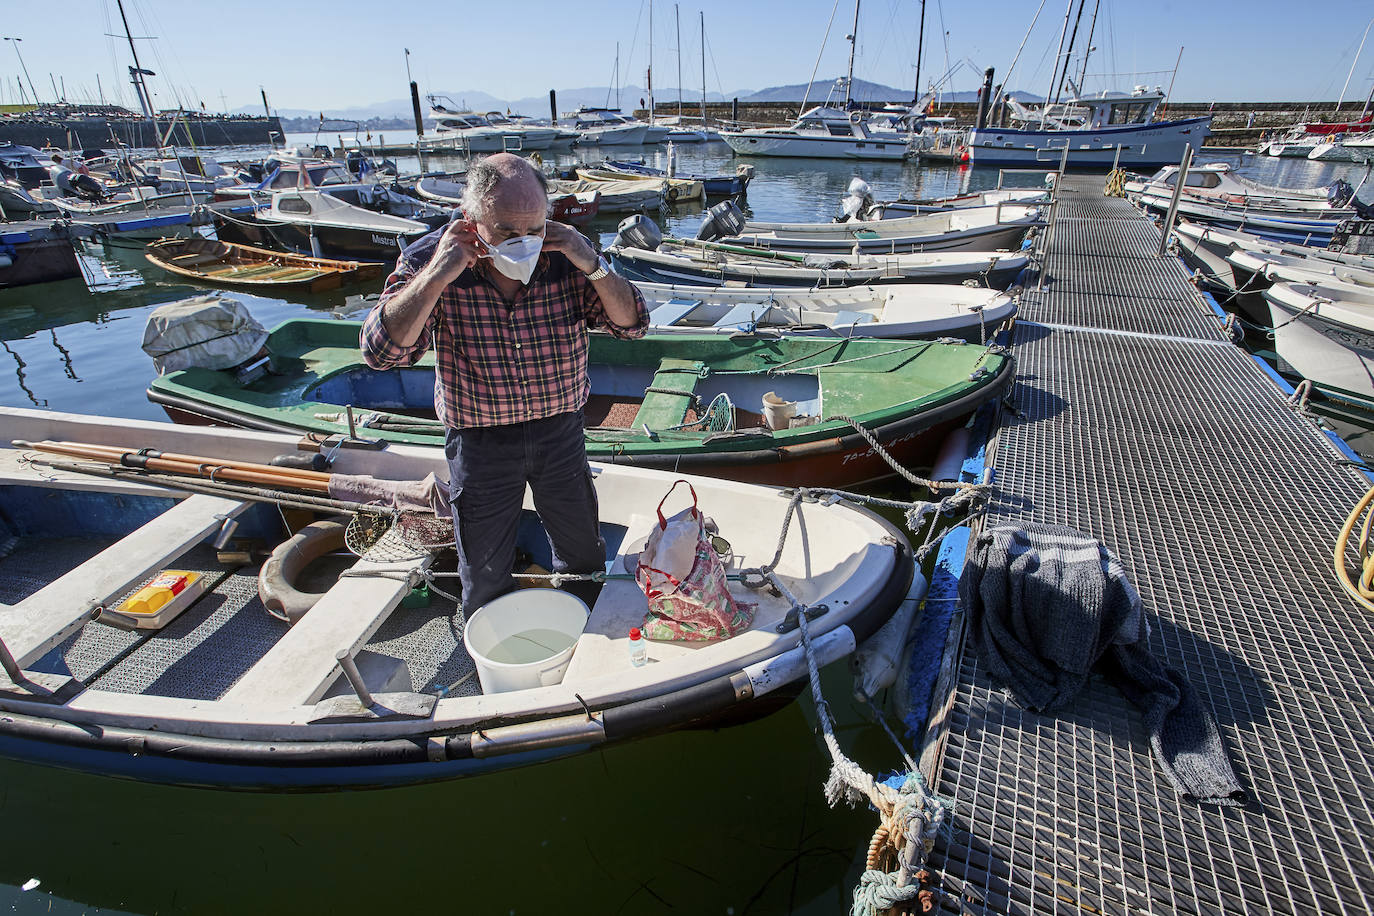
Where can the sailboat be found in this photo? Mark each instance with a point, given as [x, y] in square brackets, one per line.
[823, 132]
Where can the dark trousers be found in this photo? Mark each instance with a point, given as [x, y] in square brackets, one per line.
[488, 470]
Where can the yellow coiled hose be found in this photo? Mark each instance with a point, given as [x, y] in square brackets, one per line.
[1363, 590]
[1116, 183]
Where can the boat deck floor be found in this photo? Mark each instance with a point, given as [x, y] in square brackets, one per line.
[1142, 426]
[206, 649]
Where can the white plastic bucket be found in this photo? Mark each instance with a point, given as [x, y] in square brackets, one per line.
[778, 413]
[524, 638]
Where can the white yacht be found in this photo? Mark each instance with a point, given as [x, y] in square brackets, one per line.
[533, 136]
[1099, 130]
[472, 130]
[608, 127]
[823, 132]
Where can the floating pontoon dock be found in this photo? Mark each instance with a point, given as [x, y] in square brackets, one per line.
[1141, 424]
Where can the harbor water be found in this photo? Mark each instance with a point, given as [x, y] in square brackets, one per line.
[713, 822]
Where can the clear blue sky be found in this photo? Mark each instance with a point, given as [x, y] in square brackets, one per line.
[345, 53]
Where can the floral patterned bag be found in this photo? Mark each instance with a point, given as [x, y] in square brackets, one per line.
[688, 599]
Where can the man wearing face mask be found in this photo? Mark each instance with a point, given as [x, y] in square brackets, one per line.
[504, 296]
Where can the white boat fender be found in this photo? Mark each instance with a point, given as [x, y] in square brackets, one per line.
[876, 662]
[276, 579]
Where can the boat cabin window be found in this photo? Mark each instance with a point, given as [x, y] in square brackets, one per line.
[1128, 113]
[293, 205]
[1195, 180]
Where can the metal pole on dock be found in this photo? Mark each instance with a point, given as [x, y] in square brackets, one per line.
[553, 107]
[1173, 202]
[419, 123]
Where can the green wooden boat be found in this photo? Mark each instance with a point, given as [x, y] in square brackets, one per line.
[694, 404]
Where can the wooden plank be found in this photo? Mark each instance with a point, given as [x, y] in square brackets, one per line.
[301, 666]
[660, 410]
[44, 619]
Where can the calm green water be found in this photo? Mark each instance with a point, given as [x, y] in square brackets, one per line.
[694, 822]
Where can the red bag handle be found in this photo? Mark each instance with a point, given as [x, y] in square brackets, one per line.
[663, 522]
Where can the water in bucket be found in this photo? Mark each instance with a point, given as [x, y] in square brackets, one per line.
[530, 646]
[524, 639]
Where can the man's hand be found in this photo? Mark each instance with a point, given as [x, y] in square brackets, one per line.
[458, 249]
[573, 245]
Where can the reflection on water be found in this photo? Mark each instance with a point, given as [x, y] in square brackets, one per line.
[701, 822]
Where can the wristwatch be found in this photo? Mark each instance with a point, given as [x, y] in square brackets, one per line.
[602, 269]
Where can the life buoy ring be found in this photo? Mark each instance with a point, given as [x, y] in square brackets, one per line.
[276, 579]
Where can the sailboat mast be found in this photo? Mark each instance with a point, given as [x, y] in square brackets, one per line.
[140, 87]
[1058, 56]
[703, 69]
[651, 63]
[1341, 101]
[853, 43]
[1083, 74]
[1068, 53]
[677, 22]
[920, 46]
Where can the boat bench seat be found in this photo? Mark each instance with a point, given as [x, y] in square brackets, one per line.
[673, 311]
[744, 313]
[845, 317]
[668, 396]
[41, 621]
[302, 665]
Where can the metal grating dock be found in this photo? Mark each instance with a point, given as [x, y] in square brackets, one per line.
[1141, 427]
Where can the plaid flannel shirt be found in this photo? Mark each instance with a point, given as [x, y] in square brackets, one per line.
[499, 362]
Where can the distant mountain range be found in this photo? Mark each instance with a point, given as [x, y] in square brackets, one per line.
[630, 96]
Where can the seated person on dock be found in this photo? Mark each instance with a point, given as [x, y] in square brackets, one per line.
[505, 297]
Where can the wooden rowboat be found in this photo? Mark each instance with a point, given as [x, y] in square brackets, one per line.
[231, 264]
[695, 403]
[224, 695]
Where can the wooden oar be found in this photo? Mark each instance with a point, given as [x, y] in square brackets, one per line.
[85, 449]
[243, 472]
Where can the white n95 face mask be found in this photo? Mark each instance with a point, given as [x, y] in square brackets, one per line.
[516, 258]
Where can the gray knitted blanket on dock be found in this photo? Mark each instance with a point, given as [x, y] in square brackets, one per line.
[1048, 606]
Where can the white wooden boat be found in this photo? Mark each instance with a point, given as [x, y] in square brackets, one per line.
[1256, 271]
[1217, 182]
[225, 695]
[925, 311]
[1207, 249]
[1324, 332]
[971, 229]
[687, 261]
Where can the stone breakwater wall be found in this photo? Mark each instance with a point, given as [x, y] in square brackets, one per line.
[1233, 123]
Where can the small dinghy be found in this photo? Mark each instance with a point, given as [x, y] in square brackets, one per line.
[575, 209]
[785, 410]
[618, 196]
[138, 642]
[1256, 271]
[968, 313]
[724, 185]
[675, 189]
[225, 263]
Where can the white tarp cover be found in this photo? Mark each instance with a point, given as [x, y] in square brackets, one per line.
[206, 332]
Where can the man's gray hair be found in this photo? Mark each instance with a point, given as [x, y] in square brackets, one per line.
[484, 177]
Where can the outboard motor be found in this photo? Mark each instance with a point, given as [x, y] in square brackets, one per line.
[638, 231]
[1339, 193]
[725, 218]
[858, 199]
[87, 188]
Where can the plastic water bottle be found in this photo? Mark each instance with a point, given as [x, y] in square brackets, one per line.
[639, 649]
